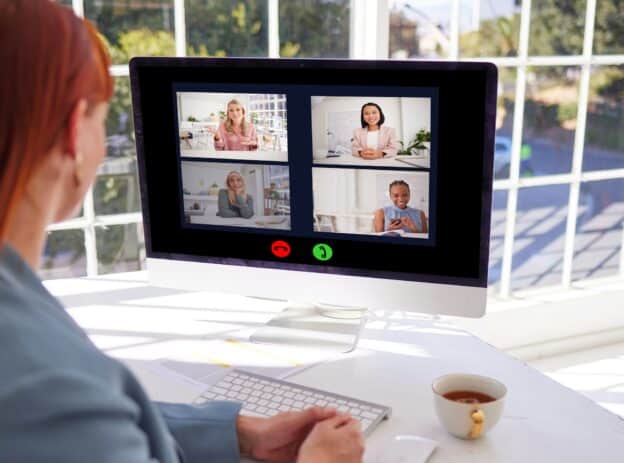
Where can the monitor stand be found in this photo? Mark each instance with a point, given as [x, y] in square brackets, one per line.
[317, 326]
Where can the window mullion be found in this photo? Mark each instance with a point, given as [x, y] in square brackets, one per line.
[454, 32]
[89, 231]
[274, 39]
[180, 27]
[516, 142]
[579, 141]
[78, 6]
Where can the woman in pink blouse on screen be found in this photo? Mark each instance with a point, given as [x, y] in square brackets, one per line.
[236, 133]
[374, 140]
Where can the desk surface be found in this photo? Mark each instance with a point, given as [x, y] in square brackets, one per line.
[404, 162]
[280, 222]
[398, 357]
[257, 155]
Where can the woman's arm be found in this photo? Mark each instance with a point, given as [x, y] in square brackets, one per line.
[253, 138]
[392, 145]
[423, 220]
[245, 206]
[219, 138]
[204, 433]
[378, 220]
[224, 208]
[356, 146]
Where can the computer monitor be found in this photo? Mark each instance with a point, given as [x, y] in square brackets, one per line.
[344, 183]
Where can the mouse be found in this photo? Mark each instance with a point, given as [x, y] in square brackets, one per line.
[406, 448]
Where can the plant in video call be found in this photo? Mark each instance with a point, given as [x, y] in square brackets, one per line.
[416, 144]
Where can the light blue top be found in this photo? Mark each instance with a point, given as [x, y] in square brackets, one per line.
[393, 212]
[242, 208]
[63, 400]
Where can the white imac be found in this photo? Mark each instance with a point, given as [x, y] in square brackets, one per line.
[242, 192]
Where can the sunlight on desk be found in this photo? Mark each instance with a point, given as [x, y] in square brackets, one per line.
[143, 320]
[76, 286]
[106, 342]
[212, 301]
[393, 347]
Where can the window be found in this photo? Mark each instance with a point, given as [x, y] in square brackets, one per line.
[558, 202]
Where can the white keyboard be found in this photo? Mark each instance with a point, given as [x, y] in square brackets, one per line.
[265, 396]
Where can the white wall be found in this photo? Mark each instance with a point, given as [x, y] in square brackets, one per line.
[200, 104]
[416, 115]
[373, 188]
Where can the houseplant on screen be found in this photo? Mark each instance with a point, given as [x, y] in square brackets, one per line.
[418, 146]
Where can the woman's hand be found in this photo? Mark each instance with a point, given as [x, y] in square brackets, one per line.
[407, 222]
[277, 439]
[334, 440]
[370, 153]
[395, 224]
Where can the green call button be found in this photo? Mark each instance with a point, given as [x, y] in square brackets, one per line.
[322, 251]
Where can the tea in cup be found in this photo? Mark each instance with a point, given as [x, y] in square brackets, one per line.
[468, 405]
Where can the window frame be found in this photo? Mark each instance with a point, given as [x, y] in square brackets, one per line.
[369, 39]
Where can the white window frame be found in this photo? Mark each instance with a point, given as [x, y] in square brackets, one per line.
[368, 39]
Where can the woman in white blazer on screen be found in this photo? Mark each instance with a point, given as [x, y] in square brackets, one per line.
[373, 140]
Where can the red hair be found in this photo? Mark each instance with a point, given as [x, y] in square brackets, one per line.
[51, 59]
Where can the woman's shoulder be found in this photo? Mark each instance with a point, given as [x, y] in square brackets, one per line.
[386, 129]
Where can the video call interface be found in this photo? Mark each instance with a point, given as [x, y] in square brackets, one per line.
[358, 166]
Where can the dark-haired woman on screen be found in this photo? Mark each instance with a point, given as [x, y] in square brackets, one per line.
[373, 140]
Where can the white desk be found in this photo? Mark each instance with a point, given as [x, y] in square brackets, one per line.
[278, 222]
[405, 162]
[398, 357]
[257, 155]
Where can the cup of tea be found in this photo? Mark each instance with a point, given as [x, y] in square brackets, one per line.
[467, 405]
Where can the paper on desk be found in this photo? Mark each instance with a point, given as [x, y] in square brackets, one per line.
[204, 362]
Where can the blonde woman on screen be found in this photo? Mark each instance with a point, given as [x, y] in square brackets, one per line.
[236, 133]
[234, 200]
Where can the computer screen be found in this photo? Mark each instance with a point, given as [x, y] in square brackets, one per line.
[348, 182]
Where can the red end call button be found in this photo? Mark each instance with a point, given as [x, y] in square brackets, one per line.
[280, 249]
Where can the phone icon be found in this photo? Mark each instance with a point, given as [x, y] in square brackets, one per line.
[322, 252]
[280, 249]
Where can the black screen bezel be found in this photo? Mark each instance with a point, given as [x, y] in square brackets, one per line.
[467, 95]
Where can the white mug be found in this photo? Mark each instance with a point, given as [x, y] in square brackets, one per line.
[468, 420]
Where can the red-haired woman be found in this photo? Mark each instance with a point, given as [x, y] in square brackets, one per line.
[61, 399]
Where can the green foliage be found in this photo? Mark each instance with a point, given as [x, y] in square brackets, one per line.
[566, 112]
[118, 18]
[495, 37]
[418, 142]
[314, 28]
[227, 27]
[609, 27]
[142, 42]
[557, 27]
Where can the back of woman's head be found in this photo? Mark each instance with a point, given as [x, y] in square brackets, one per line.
[51, 60]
